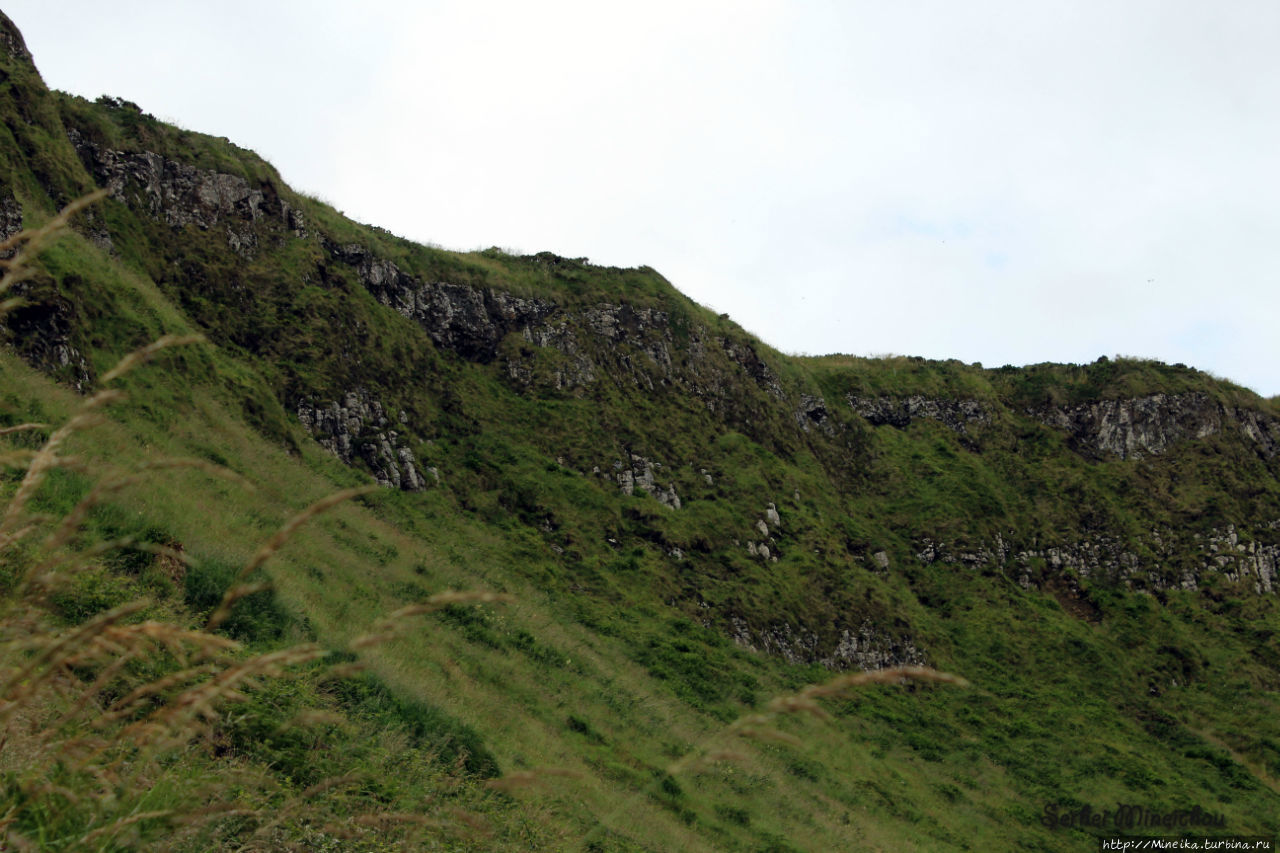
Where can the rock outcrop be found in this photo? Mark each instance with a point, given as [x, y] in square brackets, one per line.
[10, 215]
[616, 341]
[864, 647]
[469, 321]
[813, 413]
[1156, 562]
[1135, 427]
[176, 193]
[955, 414]
[12, 40]
[41, 329]
[1251, 563]
[358, 428]
[621, 341]
[626, 343]
[641, 474]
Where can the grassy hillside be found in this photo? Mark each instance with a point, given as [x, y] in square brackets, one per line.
[666, 530]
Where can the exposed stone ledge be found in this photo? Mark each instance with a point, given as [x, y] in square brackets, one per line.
[176, 193]
[357, 428]
[628, 343]
[10, 215]
[1180, 562]
[640, 474]
[863, 647]
[1136, 427]
[469, 321]
[956, 414]
[812, 412]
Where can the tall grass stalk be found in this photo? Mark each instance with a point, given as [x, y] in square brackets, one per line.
[96, 717]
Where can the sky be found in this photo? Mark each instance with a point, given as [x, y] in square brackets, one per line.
[1000, 182]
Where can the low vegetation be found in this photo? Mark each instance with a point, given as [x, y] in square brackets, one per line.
[217, 635]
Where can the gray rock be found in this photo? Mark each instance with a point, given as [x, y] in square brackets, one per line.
[956, 414]
[640, 475]
[1180, 561]
[466, 320]
[42, 333]
[813, 413]
[10, 216]
[13, 43]
[295, 221]
[867, 649]
[351, 430]
[749, 360]
[1135, 427]
[628, 344]
[861, 647]
[176, 193]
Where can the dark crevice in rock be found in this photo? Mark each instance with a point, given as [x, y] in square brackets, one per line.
[956, 414]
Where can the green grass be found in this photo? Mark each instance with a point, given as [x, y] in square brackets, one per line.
[611, 670]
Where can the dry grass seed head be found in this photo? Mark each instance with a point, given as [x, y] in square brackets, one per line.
[330, 784]
[111, 829]
[47, 456]
[387, 629]
[47, 657]
[803, 701]
[30, 241]
[526, 778]
[144, 354]
[125, 705]
[21, 428]
[765, 733]
[347, 670]
[314, 718]
[57, 652]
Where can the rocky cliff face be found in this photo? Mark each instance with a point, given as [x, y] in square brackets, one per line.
[638, 339]
[629, 344]
[179, 194]
[955, 414]
[12, 40]
[1147, 426]
[812, 413]
[358, 428]
[638, 347]
[466, 320]
[862, 647]
[643, 475]
[42, 331]
[594, 344]
[10, 216]
[1161, 560]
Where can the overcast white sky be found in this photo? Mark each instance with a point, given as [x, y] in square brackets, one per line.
[1004, 182]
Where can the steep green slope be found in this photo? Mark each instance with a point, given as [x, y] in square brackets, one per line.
[689, 524]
